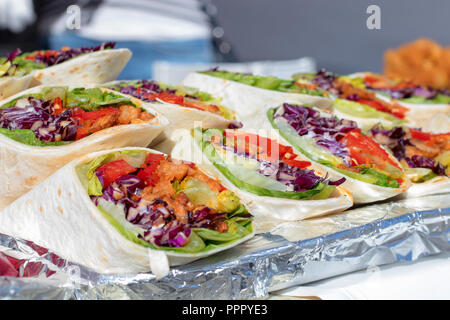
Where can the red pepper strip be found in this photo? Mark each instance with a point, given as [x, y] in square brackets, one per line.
[417, 134]
[364, 150]
[266, 148]
[166, 97]
[113, 170]
[148, 174]
[396, 110]
[93, 115]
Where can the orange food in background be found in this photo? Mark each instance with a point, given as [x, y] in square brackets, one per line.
[423, 62]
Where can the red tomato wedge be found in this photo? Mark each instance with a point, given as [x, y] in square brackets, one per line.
[113, 170]
[148, 173]
[364, 150]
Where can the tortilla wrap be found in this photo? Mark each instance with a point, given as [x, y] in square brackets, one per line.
[264, 207]
[181, 118]
[24, 166]
[362, 192]
[436, 185]
[59, 215]
[84, 70]
[249, 103]
[12, 85]
[430, 117]
[364, 123]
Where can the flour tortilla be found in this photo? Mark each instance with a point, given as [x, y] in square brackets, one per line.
[249, 103]
[84, 70]
[267, 208]
[362, 192]
[181, 118]
[430, 117]
[12, 85]
[436, 185]
[23, 166]
[433, 118]
[59, 215]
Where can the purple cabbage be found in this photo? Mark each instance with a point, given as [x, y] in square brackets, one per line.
[408, 92]
[396, 140]
[141, 89]
[417, 161]
[157, 219]
[36, 115]
[326, 131]
[65, 55]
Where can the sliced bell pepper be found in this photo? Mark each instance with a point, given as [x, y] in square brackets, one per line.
[114, 170]
[148, 172]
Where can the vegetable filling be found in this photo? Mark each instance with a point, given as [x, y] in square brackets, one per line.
[58, 116]
[19, 64]
[262, 166]
[416, 149]
[345, 89]
[163, 202]
[336, 143]
[152, 91]
[268, 83]
[405, 90]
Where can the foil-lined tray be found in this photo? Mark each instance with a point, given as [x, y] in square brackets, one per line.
[281, 255]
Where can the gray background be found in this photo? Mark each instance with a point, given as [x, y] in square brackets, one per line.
[332, 31]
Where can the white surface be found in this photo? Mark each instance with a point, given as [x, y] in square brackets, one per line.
[428, 278]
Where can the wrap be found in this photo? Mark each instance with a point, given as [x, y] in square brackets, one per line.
[184, 107]
[80, 67]
[87, 69]
[425, 157]
[60, 215]
[249, 102]
[428, 108]
[24, 165]
[12, 85]
[337, 147]
[267, 197]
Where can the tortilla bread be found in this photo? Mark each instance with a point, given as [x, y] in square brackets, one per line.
[23, 166]
[249, 103]
[260, 206]
[59, 215]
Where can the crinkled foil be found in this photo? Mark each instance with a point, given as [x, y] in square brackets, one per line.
[282, 254]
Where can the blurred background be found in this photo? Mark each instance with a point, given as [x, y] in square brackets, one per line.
[172, 37]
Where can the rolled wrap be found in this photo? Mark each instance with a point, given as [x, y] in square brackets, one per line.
[23, 166]
[59, 215]
[249, 103]
[264, 207]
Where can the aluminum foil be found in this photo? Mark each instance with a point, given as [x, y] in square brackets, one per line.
[282, 254]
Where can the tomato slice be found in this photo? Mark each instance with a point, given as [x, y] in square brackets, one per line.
[364, 150]
[113, 170]
[148, 173]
